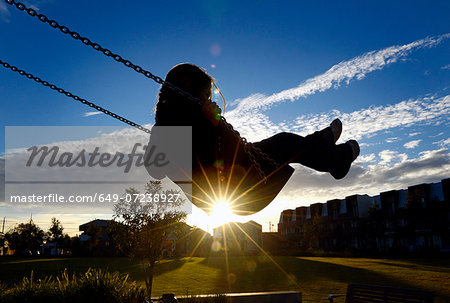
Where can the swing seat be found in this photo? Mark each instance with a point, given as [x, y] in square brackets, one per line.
[235, 180]
[244, 191]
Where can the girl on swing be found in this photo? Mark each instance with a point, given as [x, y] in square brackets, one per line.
[223, 167]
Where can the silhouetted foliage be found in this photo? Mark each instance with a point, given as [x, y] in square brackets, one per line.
[142, 230]
[25, 238]
[56, 235]
[56, 230]
[95, 285]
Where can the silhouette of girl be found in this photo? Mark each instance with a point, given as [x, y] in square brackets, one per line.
[222, 167]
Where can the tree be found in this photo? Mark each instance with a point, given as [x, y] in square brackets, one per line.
[143, 224]
[56, 230]
[2, 242]
[56, 235]
[25, 238]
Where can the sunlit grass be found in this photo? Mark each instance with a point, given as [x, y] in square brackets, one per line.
[316, 277]
[31, 261]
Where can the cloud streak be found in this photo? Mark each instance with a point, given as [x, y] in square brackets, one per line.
[412, 144]
[363, 123]
[34, 4]
[344, 72]
[4, 13]
[429, 166]
[88, 114]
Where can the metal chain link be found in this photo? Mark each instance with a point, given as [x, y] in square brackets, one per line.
[75, 97]
[86, 41]
[249, 148]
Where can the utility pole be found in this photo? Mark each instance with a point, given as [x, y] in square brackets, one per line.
[3, 227]
[270, 226]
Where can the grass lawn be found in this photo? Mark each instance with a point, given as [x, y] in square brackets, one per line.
[315, 277]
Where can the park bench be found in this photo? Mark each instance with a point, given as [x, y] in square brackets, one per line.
[363, 293]
[252, 297]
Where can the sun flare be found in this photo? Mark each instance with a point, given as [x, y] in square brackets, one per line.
[221, 213]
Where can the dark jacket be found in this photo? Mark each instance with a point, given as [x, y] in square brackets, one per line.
[221, 167]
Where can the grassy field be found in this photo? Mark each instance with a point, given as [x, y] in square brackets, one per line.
[315, 277]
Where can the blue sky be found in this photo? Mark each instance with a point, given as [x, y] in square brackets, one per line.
[383, 67]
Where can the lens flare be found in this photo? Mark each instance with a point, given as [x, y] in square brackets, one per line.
[216, 246]
[215, 49]
[221, 213]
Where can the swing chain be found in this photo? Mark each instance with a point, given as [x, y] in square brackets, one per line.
[65, 30]
[75, 97]
[250, 149]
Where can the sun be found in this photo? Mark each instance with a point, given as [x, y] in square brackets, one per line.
[221, 213]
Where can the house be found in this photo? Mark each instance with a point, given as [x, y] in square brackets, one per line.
[395, 221]
[51, 249]
[95, 239]
[188, 241]
[239, 238]
[180, 241]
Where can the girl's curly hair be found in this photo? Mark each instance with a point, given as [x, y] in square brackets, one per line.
[188, 77]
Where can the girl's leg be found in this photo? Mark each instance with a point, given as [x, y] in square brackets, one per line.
[316, 151]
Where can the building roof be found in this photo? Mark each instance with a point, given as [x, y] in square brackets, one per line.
[98, 222]
[437, 192]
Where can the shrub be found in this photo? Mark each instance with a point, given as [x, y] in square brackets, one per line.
[93, 286]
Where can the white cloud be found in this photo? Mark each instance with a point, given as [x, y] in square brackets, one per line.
[438, 135]
[364, 159]
[88, 114]
[388, 156]
[346, 71]
[363, 123]
[306, 184]
[414, 134]
[391, 140]
[4, 12]
[446, 67]
[412, 144]
[34, 4]
[443, 143]
[427, 111]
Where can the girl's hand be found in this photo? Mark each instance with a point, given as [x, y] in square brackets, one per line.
[212, 112]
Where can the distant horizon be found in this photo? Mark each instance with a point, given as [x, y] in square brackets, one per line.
[192, 224]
